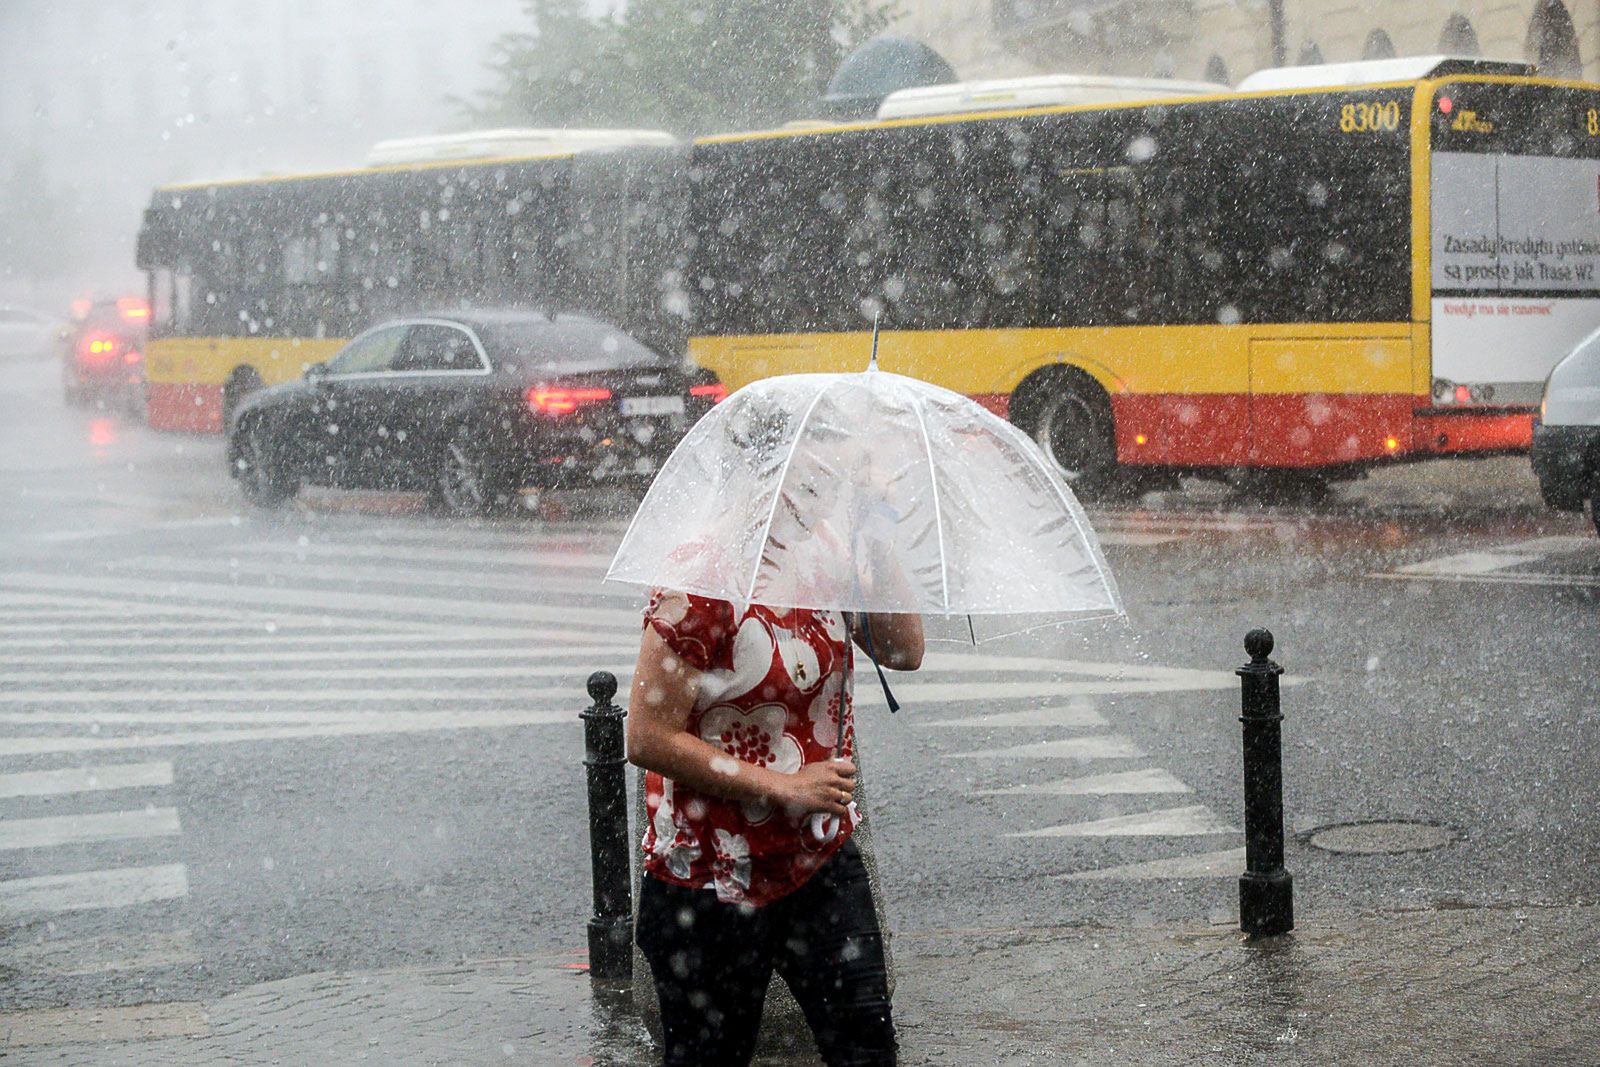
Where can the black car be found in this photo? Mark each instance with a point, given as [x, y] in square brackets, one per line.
[471, 409]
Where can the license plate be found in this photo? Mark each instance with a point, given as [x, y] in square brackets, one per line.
[652, 405]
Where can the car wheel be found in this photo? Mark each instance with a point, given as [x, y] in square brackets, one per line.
[1073, 427]
[467, 483]
[261, 477]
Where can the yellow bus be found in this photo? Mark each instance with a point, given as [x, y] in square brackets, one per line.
[251, 281]
[1290, 277]
[1328, 269]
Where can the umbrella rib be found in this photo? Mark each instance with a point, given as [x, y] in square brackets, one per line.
[938, 518]
[766, 529]
[1073, 508]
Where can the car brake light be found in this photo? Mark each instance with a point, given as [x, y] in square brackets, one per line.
[133, 308]
[544, 401]
[132, 355]
[97, 349]
[718, 392]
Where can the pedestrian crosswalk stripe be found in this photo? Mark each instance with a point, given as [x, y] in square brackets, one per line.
[1508, 578]
[52, 830]
[105, 603]
[48, 614]
[1067, 717]
[1228, 863]
[88, 629]
[85, 779]
[236, 717]
[1193, 820]
[909, 691]
[267, 631]
[106, 954]
[519, 651]
[143, 529]
[1110, 746]
[328, 726]
[324, 601]
[258, 672]
[321, 694]
[1135, 539]
[501, 581]
[596, 563]
[1492, 564]
[90, 890]
[1148, 780]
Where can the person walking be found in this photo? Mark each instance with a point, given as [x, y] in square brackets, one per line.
[742, 716]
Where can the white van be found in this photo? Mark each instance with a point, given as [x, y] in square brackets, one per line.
[1566, 437]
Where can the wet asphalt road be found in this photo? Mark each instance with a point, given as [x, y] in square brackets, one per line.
[345, 736]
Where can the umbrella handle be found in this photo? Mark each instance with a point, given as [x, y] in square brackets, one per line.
[826, 827]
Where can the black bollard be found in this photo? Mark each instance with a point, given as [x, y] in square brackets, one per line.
[611, 929]
[1266, 890]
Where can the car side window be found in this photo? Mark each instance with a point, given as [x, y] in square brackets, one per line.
[369, 354]
[433, 348]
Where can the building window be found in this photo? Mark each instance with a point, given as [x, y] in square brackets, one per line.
[1310, 55]
[1378, 46]
[1459, 38]
[1217, 70]
[1552, 41]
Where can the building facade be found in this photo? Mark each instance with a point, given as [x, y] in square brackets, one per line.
[1225, 40]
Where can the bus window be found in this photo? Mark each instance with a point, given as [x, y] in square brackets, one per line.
[999, 174]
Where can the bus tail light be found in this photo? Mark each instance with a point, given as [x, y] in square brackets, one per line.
[555, 401]
[133, 308]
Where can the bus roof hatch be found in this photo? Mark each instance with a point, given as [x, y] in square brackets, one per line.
[1050, 90]
[508, 143]
[1376, 71]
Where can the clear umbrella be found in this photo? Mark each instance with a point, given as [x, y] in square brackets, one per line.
[868, 492]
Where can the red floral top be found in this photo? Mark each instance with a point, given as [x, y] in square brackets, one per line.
[770, 694]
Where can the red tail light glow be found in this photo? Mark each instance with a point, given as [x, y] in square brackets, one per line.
[718, 392]
[555, 401]
[131, 356]
[1446, 105]
[133, 309]
[97, 348]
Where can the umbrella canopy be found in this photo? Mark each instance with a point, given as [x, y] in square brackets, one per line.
[866, 492]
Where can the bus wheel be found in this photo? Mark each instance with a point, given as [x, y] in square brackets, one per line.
[240, 384]
[467, 483]
[1071, 423]
[261, 479]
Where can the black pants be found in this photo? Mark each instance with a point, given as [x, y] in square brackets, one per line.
[712, 962]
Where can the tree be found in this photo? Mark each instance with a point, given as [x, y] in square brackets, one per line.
[690, 66]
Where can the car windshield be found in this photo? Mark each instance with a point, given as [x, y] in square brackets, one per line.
[560, 343]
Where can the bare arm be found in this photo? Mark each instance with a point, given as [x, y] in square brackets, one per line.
[896, 639]
[659, 740]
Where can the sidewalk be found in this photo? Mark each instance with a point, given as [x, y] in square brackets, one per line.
[1467, 986]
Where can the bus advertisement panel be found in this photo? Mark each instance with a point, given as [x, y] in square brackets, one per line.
[1515, 234]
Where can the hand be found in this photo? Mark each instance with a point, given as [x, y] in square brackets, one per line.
[826, 787]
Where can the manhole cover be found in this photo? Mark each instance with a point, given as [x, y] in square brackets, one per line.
[1373, 838]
